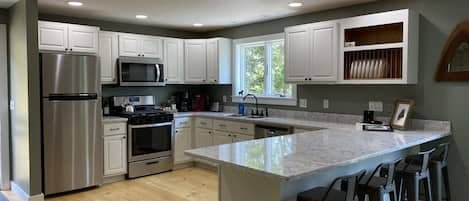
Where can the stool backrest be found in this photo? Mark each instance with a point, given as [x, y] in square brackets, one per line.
[391, 169]
[352, 182]
[422, 157]
[441, 153]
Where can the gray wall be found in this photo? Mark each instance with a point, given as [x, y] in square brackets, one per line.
[24, 90]
[121, 27]
[4, 16]
[434, 100]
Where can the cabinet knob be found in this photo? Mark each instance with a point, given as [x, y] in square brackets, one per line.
[203, 80]
[124, 137]
[306, 78]
[143, 55]
[71, 49]
[66, 49]
[139, 54]
[310, 78]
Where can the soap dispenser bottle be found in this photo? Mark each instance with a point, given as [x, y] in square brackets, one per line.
[241, 103]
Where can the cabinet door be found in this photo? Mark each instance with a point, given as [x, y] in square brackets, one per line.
[203, 137]
[129, 45]
[221, 137]
[174, 61]
[115, 155]
[52, 36]
[324, 51]
[108, 53]
[182, 143]
[195, 61]
[83, 38]
[212, 61]
[241, 137]
[297, 54]
[151, 47]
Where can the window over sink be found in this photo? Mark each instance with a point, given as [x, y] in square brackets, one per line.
[260, 70]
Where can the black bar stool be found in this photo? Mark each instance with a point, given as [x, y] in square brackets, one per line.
[439, 173]
[376, 187]
[331, 194]
[412, 173]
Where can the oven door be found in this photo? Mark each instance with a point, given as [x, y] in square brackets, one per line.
[150, 141]
[141, 73]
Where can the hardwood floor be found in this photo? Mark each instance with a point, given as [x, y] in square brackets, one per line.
[190, 184]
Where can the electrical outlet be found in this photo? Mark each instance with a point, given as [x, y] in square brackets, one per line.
[12, 105]
[303, 102]
[376, 106]
[224, 99]
[325, 103]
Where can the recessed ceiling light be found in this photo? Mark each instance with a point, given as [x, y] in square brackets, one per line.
[141, 16]
[75, 3]
[295, 4]
[197, 24]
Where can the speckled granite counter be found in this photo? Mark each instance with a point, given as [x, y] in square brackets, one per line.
[277, 168]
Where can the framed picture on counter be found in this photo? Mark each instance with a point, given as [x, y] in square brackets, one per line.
[401, 113]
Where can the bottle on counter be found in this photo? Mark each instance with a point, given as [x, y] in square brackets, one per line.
[241, 108]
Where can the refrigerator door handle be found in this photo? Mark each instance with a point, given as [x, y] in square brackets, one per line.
[72, 97]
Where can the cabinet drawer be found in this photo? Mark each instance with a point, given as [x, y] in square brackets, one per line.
[222, 125]
[204, 123]
[115, 129]
[243, 128]
[183, 122]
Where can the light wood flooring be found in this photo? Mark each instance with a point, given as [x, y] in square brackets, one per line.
[190, 184]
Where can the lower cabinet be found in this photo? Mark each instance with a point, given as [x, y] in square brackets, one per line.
[115, 155]
[203, 137]
[221, 137]
[182, 143]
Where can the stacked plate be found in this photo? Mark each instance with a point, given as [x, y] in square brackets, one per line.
[368, 69]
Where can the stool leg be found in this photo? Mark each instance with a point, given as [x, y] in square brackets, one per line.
[446, 179]
[436, 175]
[428, 189]
[412, 188]
[393, 194]
[361, 195]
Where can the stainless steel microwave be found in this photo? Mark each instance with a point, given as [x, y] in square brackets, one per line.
[141, 72]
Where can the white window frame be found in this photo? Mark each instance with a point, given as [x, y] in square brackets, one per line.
[238, 75]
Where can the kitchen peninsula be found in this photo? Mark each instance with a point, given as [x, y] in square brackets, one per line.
[278, 168]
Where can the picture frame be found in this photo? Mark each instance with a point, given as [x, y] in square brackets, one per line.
[401, 114]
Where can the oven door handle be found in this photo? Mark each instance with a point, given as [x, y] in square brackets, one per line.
[151, 125]
[158, 73]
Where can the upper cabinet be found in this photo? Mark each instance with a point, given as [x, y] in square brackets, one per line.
[380, 48]
[312, 52]
[132, 45]
[108, 53]
[173, 50]
[207, 61]
[371, 49]
[54, 36]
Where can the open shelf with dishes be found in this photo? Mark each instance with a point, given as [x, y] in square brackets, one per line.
[379, 49]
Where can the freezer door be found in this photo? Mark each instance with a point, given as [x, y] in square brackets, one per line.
[69, 74]
[73, 146]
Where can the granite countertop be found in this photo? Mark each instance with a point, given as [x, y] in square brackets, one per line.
[113, 119]
[297, 155]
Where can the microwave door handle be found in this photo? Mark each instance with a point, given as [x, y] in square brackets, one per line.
[158, 73]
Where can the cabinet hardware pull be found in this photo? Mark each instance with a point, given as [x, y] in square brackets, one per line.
[310, 78]
[151, 163]
[114, 129]
[242, 128]
[71, 49]
[66, 49]
[306, 78]
[222, 125]
[124, 137]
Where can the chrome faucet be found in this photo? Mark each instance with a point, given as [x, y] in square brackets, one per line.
[257, 105]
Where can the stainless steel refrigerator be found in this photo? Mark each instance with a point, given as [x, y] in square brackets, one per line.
[71, 122]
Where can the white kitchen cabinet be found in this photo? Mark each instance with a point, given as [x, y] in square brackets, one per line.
[312, 52]
[133, 45]
[219, 61]
[242, 137]
[83, 38]
[115, 155]
[297, 59]
[108, 53]
[182, 143]
[54, 36]
[207, 61]
[221, 137]
[203, 137]
[195, 61]
[174, 60]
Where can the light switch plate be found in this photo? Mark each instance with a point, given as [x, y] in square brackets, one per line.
[376, 106]
[325, 103]
[303, 102]
[224, 99]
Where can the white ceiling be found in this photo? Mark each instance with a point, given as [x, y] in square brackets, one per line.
[181, 14]
[7, 3]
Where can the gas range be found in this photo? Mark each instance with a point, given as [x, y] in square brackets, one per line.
[147, 117]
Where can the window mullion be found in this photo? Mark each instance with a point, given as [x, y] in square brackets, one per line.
[268, 69]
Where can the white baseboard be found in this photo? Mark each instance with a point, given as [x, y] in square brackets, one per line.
[23, 196]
